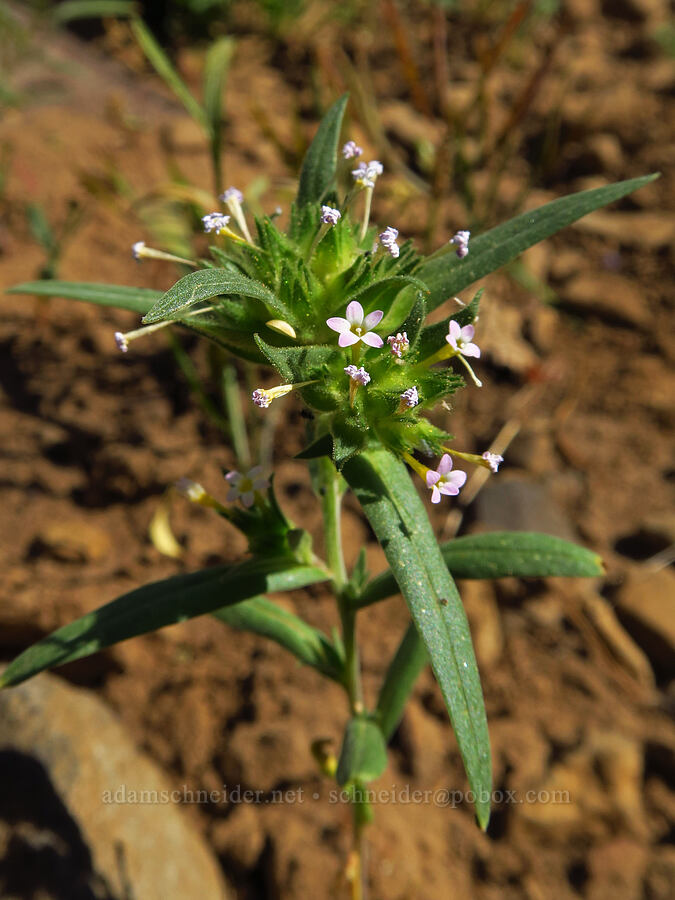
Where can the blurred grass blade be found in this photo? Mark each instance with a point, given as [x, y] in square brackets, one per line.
[136, 299]
[445, 275]
[93, 9]
[263, 617]
[399, 520]
[204, 285]
[165, 69]
[155, 605]
[216, 66]
[363, 756]
[409, 660]
[319, 164]
[500, 554]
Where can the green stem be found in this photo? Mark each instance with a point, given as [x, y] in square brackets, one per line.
[331, 504]
[235, 415]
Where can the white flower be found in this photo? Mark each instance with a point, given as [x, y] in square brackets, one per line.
[351, 150]
[330, 216]
[355, 327]
[215, 222]
[245, 487]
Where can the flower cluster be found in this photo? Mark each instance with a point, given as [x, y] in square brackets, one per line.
[330, 216]
[388, 239]
[351, 150]
[359, 375]
[398, 343]
[215, 221]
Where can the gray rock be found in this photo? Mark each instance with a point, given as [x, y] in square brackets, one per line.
[84, 814]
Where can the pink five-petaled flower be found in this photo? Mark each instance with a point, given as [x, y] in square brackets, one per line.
[244, 487]
[443, 480]
[493, 460]
[460, 339]
[355, 327]
[359, 375]
[329, 215]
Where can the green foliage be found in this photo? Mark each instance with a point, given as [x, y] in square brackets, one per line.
[398, 518]
[363, 756]
[155, 605]
[138, 300]
[318, 168]
[502, 554]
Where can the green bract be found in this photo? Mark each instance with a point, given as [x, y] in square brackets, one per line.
[269, 301]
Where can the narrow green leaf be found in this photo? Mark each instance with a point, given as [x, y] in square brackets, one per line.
[364, 753]
[155, 605]
[203, 285]
[409, 660]
[136, 299]
[263, 617]
[72, 10]
[319, 164]
[500, 554]
[165, 69]
[399, 520]
[446, 275]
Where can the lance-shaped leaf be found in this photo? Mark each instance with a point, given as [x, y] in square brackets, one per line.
[500, 554]
[266, 618]
[203, 285]
[156, 605]
[409, 660]
[319, 164]
[446, 275]
[363, 756]
[399, 520]
[136, 299]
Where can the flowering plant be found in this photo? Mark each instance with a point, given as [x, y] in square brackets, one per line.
[339, 310]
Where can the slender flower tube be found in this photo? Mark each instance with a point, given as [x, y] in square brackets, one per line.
[365, 177]
[263, 397]
[196, 494]
[139, 251]
[356, 327]
[123, 339]
[488, 460]
[233, 199]
[244, 487]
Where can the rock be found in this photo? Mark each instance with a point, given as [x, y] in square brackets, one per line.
[660, 876]
[104, 810]
[486, 628]
[609, 296]
[646, 606]
[502, 339]
[72, 541]
[518, 504]
[616, 870]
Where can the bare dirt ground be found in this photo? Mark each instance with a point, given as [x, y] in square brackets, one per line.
[577, 676]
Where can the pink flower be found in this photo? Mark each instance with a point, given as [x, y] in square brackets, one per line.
[399, 344]
[351, 149]
[355, 327]
[360, 376]
[460, 339]
[443, 480]
[461, 239]
[330, 216]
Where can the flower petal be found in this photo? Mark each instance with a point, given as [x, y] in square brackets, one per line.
[432, 478]
[247, 499]
[347, 338]
[337, 323]
[233, 478]
[450, 490]
[454, 330]
[471, 350]
[445, 464]
[372, 339]
[232, 495]
[435, 495]
[468, 332]
[354, 313]
[372, 319]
